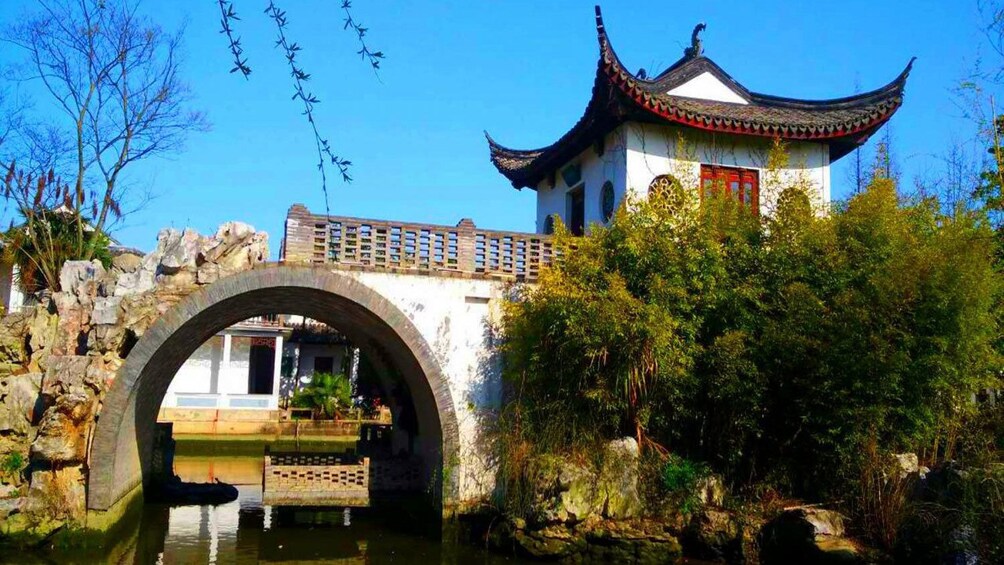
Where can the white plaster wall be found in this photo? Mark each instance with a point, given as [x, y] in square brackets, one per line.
[309, 351]
[707, 87]
[652, 151]
[454, 316]
[235, 379]
[10, 293]
[596, 170]
[196, 375]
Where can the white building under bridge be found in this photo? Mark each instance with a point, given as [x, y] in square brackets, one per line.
[256, 365]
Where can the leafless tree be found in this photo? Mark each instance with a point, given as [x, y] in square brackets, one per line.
[113, 77]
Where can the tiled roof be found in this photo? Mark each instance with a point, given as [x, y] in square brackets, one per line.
[619, 95]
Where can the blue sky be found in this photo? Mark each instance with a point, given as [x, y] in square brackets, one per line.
[522, 70]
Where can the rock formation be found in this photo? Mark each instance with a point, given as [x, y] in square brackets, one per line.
[58, 358]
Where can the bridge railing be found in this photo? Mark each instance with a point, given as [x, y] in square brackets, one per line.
[400, 246]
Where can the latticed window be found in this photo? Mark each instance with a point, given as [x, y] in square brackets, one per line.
[607, 200]
[743, 185]
[663, 186]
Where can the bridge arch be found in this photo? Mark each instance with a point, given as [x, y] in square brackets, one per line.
[122, 447]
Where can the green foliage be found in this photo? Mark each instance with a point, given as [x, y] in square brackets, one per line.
[773, 347]
[680, 478]
[45, 241]
[12, 465]
[327, 395]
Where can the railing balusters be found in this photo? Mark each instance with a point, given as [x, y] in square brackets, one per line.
[377, 244]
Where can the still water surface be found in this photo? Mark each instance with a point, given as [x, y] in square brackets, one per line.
[245, 531]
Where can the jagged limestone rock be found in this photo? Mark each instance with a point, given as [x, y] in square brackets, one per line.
[177, 250]
[79, 337]
[127, 262]
[41, 334]
[62, 433]
[58, 494]
[714, 535]
[807, 535]
[619, 479]
[583, 491]
[20, 403]
[106, 310]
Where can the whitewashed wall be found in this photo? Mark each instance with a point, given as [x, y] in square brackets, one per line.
[454, 316]
[200, 374]
[596, 170]
[310, 351]
[652, 150]
[205, 373]
[636, 153]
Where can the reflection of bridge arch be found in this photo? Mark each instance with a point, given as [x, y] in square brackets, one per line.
[121, 453]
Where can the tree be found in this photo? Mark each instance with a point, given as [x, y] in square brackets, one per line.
[113, 79]
[772, 347]
[290, 49]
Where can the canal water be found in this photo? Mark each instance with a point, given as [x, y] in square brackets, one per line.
[246, 531]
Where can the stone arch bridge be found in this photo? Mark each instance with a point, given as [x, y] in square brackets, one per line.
[419, 298]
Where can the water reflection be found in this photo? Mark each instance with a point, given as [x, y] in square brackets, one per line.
[245, 531]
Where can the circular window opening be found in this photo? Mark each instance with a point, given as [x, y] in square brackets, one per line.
[549, 224]
[663, 186]
[607, 200]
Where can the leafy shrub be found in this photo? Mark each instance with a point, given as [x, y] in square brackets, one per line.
[11, 466]
[328, 395]
[681, 479]
[760, 344]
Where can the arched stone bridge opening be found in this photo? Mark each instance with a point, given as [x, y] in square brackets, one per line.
[122, 449]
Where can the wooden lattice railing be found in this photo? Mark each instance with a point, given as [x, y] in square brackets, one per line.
[379, 244]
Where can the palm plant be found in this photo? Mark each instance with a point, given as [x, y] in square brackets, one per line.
[327, 395]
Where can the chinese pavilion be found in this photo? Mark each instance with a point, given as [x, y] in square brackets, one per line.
[627, 141]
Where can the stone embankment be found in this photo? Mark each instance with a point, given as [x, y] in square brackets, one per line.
[58, 358]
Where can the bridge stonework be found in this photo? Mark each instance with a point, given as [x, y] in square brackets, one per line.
[418, 300]
[435, 330]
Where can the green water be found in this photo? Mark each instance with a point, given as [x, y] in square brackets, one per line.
[246, 531]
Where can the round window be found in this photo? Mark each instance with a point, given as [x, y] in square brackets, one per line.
[664, 186]
[549, 224]
[607, 200]
[666, 191]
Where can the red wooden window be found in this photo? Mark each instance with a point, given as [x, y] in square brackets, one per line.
[742, 185]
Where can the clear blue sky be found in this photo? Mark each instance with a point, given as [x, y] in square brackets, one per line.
[521, 70]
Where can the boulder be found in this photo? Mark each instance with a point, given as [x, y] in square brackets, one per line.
[807, 535]
[127, 262]
[106, 310]
[235, 247]
[9, 507]
[20, 403]
[584, 491]
[177, 250]
[630, 541]
[618, 480]
[714, 535]
[11, 350]
[80, 278]
[66, 373]
[62, 433]
[136, 282]
[711, 491]
[552, 542]
[79, 281]
[41, 334]
[57, 494]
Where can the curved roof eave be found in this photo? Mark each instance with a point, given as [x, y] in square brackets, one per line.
[842, 122]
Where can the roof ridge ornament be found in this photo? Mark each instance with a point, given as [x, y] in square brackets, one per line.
[696, 48]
